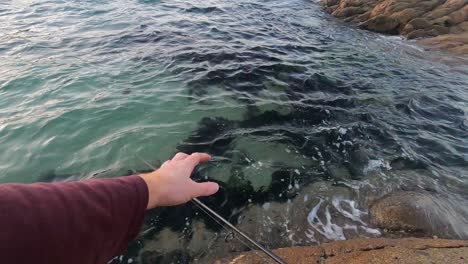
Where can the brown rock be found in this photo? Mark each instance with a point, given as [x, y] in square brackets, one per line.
[416, 28]
[440, 30]
[378, 250]
[457, 43]
[412, 18]
[463, 27]
[446, 8]
[444, 21]
[419, 23]
[407, 29]
[331, 2]
[419, 33]
[381, 23]
[406, 15]
[459, 16]
[363, 17]
[400, 211]
[418, 212]
[459, 49]
[349, 11]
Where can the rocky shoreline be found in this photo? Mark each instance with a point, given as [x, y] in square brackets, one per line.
[437, 24]
[402, 216]
[377, 250]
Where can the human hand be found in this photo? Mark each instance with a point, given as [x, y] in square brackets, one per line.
[171, 184]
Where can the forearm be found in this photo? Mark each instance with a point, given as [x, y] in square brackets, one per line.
[77, 222]
[90, 221]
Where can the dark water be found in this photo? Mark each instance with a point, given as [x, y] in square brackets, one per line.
[308, 119]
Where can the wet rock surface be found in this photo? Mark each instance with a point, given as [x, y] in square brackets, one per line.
[444, 23]
[419, 213]
[378, 250]
[308, 217]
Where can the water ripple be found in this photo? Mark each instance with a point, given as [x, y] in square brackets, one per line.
[290, 102]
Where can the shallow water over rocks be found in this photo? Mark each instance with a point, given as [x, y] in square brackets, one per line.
[309, 121]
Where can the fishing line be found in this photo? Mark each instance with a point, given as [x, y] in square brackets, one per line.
[208, 211]
[230, 235]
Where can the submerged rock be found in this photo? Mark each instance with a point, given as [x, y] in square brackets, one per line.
[411, 18]
[452, 42]
[319, 212]
[422, 213]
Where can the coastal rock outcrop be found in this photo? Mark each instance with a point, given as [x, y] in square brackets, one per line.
[378, 250]
[443, 22]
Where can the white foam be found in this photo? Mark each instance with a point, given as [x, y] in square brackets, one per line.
[350, 227]
[328, 229]
[310, 234]
[332, 231]
[375, 165]
[372, 231]
[354, 213]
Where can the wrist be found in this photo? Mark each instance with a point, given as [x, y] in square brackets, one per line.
[150, 179]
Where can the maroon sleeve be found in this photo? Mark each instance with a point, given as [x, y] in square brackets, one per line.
[75, 222]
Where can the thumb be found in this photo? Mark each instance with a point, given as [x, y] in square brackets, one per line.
[205, 188]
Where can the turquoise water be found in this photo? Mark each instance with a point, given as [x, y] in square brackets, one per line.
[78, 98]
[298, 109]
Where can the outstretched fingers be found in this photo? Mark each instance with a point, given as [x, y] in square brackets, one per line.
[204, 189]
[179, 156]
[196, 158]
